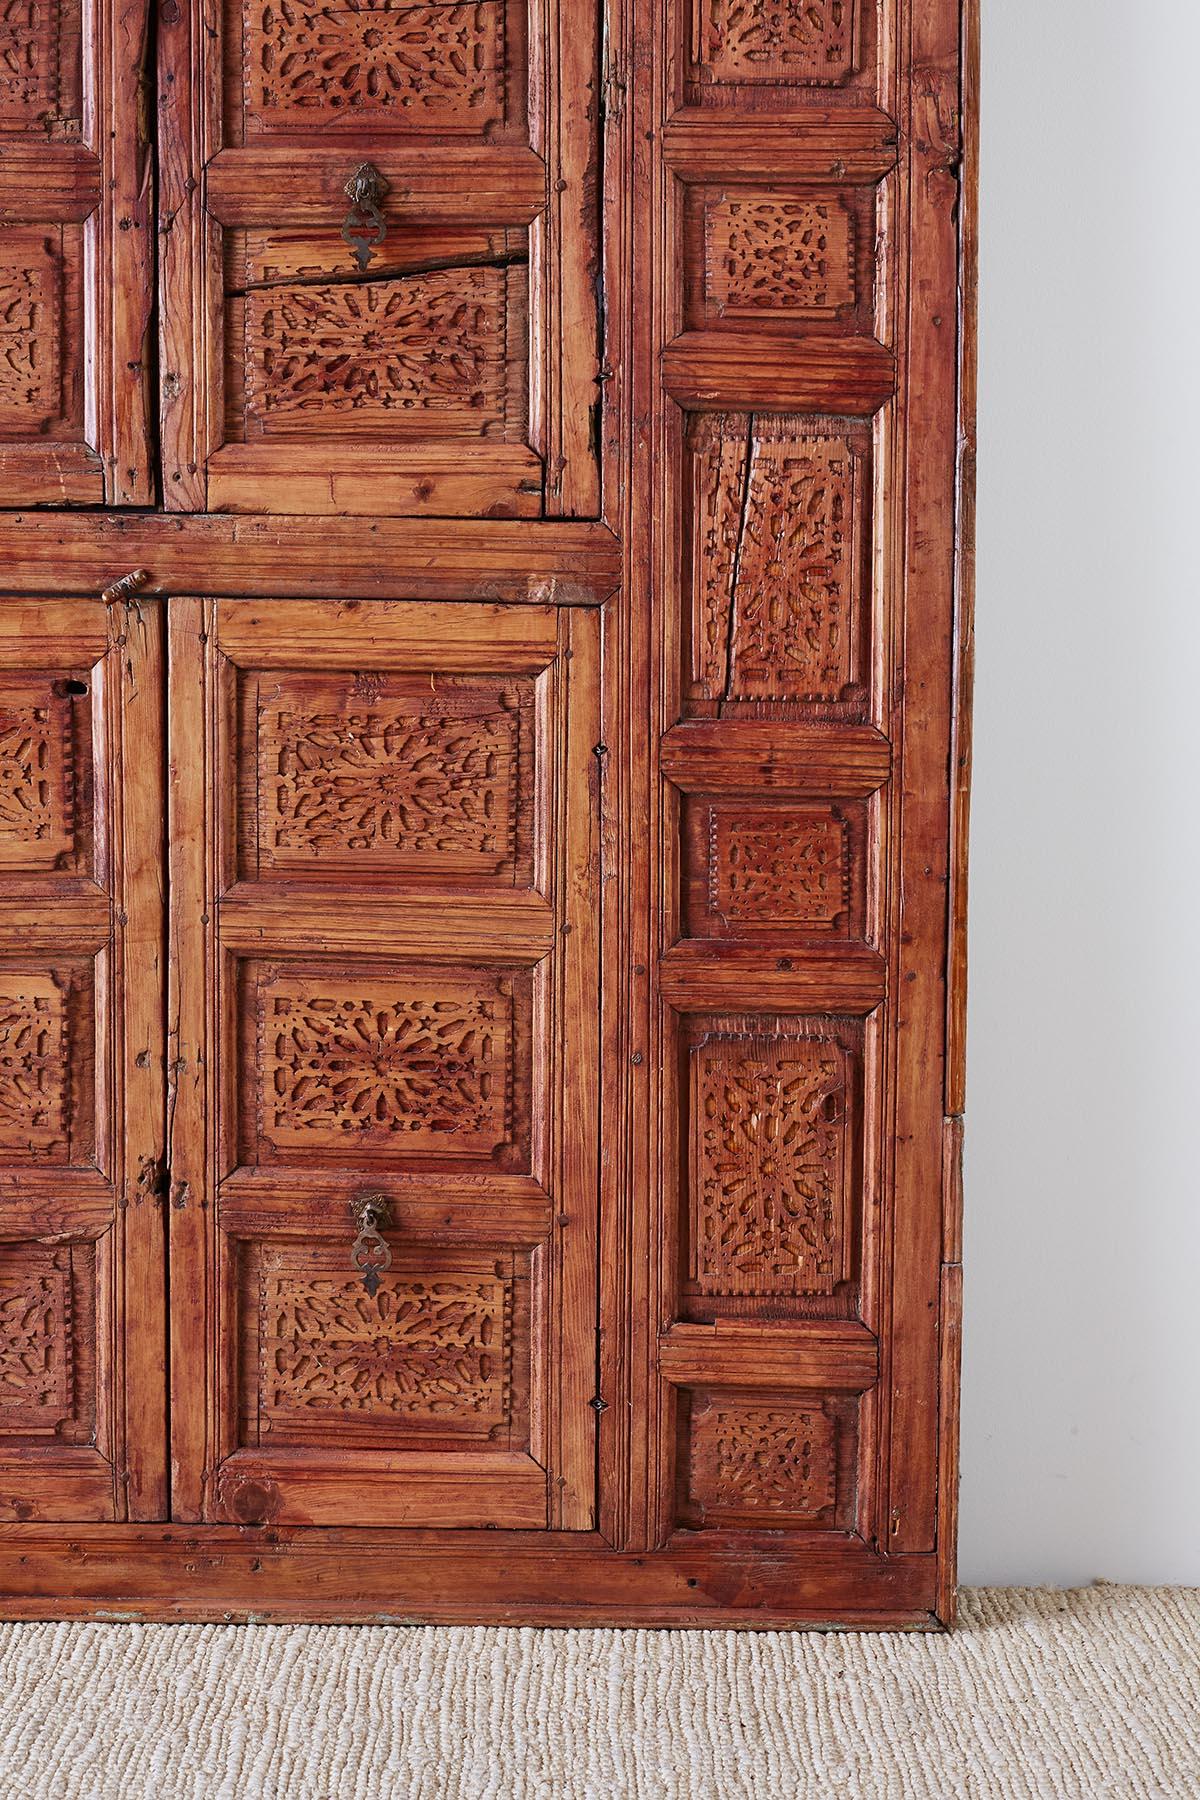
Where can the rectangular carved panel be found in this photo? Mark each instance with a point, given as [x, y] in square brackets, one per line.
[45, 776]
[380, 69]
[39, 66]
[430, 1354]
[31, 330]
[39, 1036]
[385, 774]
[773, 1158]
[778, 547]
[798, 259]
[765, 1460]
[776, 42]
[417, 1062]
[47, 1340]
[761, 867]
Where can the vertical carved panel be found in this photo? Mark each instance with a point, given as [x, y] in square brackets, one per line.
[31, 326]
[762, 1461]
[405, 778]
[364, 358]
[777, 548]
[37, 774]
[378, 68]
[766, 255]
[416, 1065]
[431, 1349]
[774, 40]
[36, 1338]
[34, 1081]
[772, 1134]
[29, 63]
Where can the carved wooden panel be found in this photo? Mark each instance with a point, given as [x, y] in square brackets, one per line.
[383, 68]
[776, 867]
[45, 772]
[762, 1461]
[766, 254]
[778, 545]
[75, 250]
[47, 1341]
[47, 1058]
[39, 66]
[773, 1168]
[431, 1354]
[367, 358]
[33, 327]
[379, 774]
[404, 1063]
[776, 43]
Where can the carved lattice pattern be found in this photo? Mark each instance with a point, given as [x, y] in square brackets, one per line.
[769, 1457]
[421, 1068]
[29, 331]
[365, 356]
[769, 1165]
[779, 868]
[425, 1347]
[426, 67]
[33, 1064]
[767, 255]
[433, 779]
[775, 40]
[776, 536]
[35, 1339]
[29, 32]
[36, 800]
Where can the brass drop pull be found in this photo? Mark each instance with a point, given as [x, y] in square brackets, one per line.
[369, 1253]
[364, 229]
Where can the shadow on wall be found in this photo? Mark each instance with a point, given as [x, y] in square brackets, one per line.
[1081, 1453]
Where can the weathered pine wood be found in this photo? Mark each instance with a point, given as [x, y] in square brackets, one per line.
[487, 878]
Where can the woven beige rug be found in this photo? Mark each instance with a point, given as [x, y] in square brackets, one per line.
[1094, 1693]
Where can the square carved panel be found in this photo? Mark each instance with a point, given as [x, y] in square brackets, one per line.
[324, 67]
[385, 775]
[757, 867]
[778, 547]
[47, 1340]
[800, 259]
[773, 1159]
[410, 1062]
[439, 1351]
[47, 1063]
[766, 1460]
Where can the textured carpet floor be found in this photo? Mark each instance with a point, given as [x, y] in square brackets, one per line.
[1094, 1693]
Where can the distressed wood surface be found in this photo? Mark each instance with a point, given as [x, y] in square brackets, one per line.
[520, 785]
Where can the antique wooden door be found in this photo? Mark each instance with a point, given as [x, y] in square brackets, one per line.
[484, 646]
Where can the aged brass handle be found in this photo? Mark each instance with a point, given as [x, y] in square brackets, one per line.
[369, 1253]
[364, 229]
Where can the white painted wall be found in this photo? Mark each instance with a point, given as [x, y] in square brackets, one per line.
[1081, 1408]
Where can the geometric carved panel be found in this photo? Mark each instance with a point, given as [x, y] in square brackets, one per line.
[34, 1067]
[772, 1165]
[413, 1061]
[47, 1340]
[312, 67]
[37, 773]
[429, 352]
[773, 40]
[39, 66]
[430, 1351]
[767, 255]
[777, 546]
[762, 1461]
[31, 330]
[772, 867]
[389, 774]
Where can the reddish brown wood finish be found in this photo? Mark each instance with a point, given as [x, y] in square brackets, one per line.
[555, 640]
